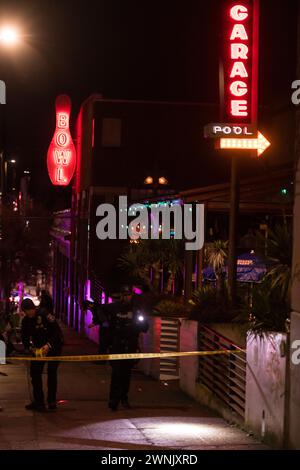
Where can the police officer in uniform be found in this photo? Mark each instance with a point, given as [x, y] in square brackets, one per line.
[40, 330]
[103, 316]
[124, 340]
[121, 327]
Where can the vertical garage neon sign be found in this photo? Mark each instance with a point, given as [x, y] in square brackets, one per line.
[61, 157]
[240, 61]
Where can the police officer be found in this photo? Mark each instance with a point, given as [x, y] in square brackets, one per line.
[124, 339]
[103, 316]
[40, 330]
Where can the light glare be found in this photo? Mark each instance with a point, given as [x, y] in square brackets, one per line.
[9, 35]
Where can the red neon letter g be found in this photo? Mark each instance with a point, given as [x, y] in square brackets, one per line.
[239, 13]
[239, 88]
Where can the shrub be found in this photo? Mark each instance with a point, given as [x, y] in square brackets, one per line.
[269, 311]
[208, 307]
[170, 308]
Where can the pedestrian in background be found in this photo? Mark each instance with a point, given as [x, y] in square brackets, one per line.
[46, 301]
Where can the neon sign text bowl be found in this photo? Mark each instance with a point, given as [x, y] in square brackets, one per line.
[61, 156]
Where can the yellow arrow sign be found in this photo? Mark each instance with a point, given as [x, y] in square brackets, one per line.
[260, 144]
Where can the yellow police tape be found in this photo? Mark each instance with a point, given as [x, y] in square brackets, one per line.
[114, 357]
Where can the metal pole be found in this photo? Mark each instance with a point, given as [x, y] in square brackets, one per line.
[287, 391]
[233, 215]
[188, 273]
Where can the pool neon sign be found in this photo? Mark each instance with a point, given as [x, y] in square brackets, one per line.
[240, 62]
[61, 157]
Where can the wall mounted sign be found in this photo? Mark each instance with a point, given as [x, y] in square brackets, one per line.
[239, 59]
[239, 80]
[218, 130]
[259, 143]
[61, 157]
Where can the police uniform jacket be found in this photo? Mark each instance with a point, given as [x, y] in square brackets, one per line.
[40, 330]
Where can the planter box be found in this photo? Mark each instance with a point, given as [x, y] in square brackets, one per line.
[265, 387]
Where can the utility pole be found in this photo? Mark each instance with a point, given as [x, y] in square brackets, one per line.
[2, 170]
[233, 217]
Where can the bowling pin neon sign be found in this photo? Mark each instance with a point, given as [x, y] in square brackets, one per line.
[61, 157]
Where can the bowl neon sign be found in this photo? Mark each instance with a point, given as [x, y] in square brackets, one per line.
[61, 156]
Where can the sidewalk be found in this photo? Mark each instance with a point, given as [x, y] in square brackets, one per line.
[162, 417]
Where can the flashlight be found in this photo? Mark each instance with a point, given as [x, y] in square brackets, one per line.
[140, 318]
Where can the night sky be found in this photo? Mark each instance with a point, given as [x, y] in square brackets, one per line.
[134, 49]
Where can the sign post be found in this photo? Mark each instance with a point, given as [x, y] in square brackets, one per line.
[238, 104]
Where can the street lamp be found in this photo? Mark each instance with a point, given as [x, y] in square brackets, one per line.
[161, 180]
[155, 182]
[9, 35]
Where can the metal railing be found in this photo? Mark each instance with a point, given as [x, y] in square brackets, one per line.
[223, 375]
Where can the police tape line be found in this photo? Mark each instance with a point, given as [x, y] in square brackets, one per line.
[114, 357]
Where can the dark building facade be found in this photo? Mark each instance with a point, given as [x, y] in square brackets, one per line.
[119, 143]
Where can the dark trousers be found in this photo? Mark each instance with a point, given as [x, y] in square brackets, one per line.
[36, 371]
[120, 381]
[104, 339]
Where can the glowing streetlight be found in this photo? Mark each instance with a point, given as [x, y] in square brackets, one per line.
[163, 180]
[9, 35]
[148, 180]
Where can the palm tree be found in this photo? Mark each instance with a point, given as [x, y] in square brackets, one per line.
[147, 259]
[172, 261]
[134, 263]
[216, 253]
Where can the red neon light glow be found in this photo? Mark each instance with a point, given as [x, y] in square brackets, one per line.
[93, 133]
[239, 107]
[239, 72]
[61, 157]
[239, 32]
[239, 54]
[239, 13]
[239, 88]
[239, 51]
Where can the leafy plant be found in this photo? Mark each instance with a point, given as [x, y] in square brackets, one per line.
[216, 254]
[279, 247]
[145, 261]
[170, 308]
[271, 299]
[269, 310]
[208, 307]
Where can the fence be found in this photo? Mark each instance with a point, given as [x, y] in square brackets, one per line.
[224, 376]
